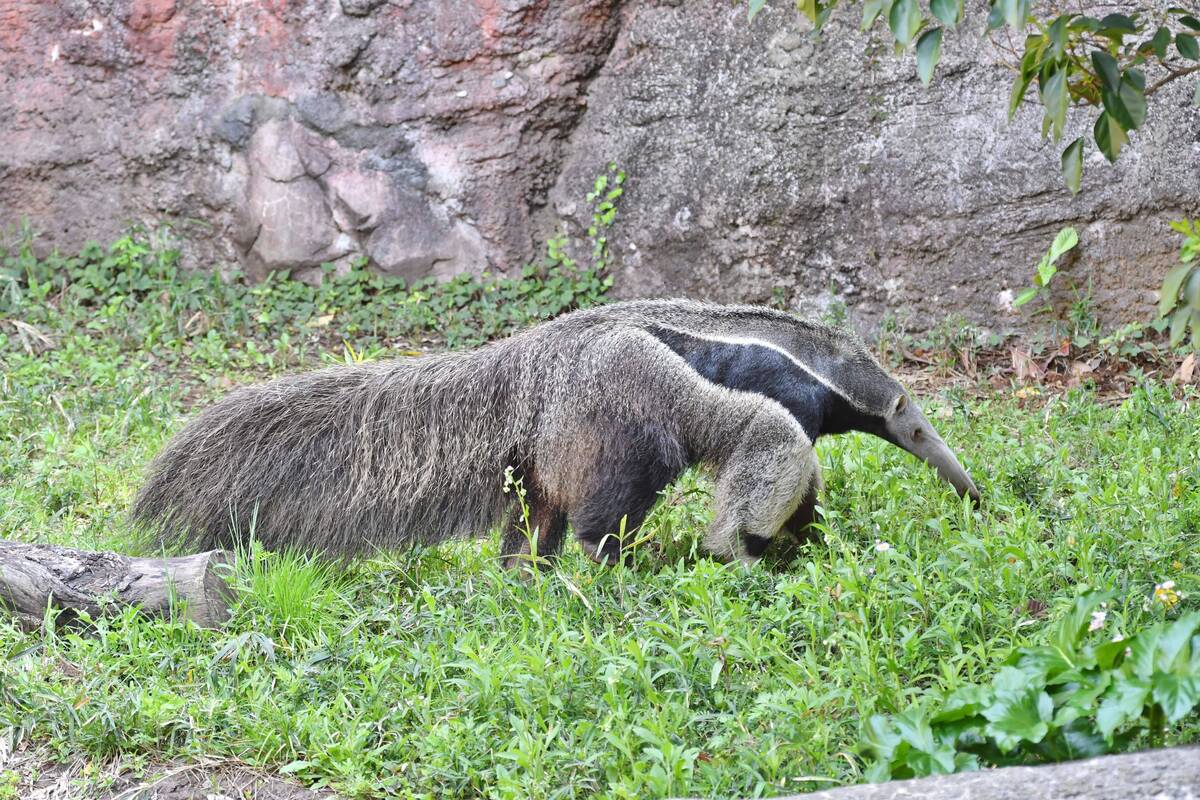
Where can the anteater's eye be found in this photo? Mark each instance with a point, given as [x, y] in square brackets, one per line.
[916, 434]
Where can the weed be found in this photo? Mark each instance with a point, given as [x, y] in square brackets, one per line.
[1083, 694]
[1047, 268]
[950, 346]
[10, 782]
[835, 313]
[288, 594]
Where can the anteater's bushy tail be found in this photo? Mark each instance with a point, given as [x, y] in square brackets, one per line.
[346, 460]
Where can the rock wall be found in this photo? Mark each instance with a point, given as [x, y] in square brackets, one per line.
[764, 163]
[436, 136]
[284, 134]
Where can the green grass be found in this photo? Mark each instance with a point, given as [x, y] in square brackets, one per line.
[436, 673]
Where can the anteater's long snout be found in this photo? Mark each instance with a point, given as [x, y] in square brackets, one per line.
[910, 429]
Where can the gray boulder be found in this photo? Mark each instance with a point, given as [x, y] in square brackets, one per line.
[1169, 774]
[764, 164]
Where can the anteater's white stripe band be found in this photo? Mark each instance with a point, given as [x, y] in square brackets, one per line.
[746, 341]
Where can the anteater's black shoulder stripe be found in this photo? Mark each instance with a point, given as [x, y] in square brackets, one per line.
[752, 367]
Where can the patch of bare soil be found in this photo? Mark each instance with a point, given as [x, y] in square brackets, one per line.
[1029, 374]
[40, 778]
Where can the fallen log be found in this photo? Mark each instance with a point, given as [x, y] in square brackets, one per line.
[36, 576]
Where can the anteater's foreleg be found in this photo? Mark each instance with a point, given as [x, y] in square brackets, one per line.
[768, 478]
[609, 518]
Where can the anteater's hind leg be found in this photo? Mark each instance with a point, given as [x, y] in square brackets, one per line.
[623, 486]
[535, 533]
[543, 530]
[761, 483]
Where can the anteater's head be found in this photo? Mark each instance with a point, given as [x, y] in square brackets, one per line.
[861, 396]
[825, 377]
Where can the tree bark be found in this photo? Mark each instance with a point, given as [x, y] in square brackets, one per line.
[35, 576]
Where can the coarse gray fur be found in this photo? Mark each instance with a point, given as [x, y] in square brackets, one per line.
[592, 409]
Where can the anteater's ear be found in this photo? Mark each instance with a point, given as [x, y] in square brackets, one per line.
[900, 404]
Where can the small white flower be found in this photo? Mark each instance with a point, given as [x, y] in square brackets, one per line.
[882, 546]
[1118, 638]
[1165, 593]
[1097, 622]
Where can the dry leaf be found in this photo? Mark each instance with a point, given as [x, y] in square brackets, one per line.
[33, 340]
[1024, 365]
[321, 322]
[1080, 368]
[1064, 350]
[1186, 371]
[197, 323]
[1035, 608]
[70, 670]
[966, 357]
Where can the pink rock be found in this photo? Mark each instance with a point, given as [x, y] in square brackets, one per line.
[450, 135]
[144, 13]
[282, 93]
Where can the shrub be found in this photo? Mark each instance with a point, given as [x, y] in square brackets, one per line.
[1072, 697]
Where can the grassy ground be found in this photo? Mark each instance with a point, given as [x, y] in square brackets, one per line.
[437, 674]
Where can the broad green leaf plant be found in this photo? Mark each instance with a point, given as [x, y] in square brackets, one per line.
[1111, 64]
[1180, 297]
[1080, 694]
[1047, 268]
